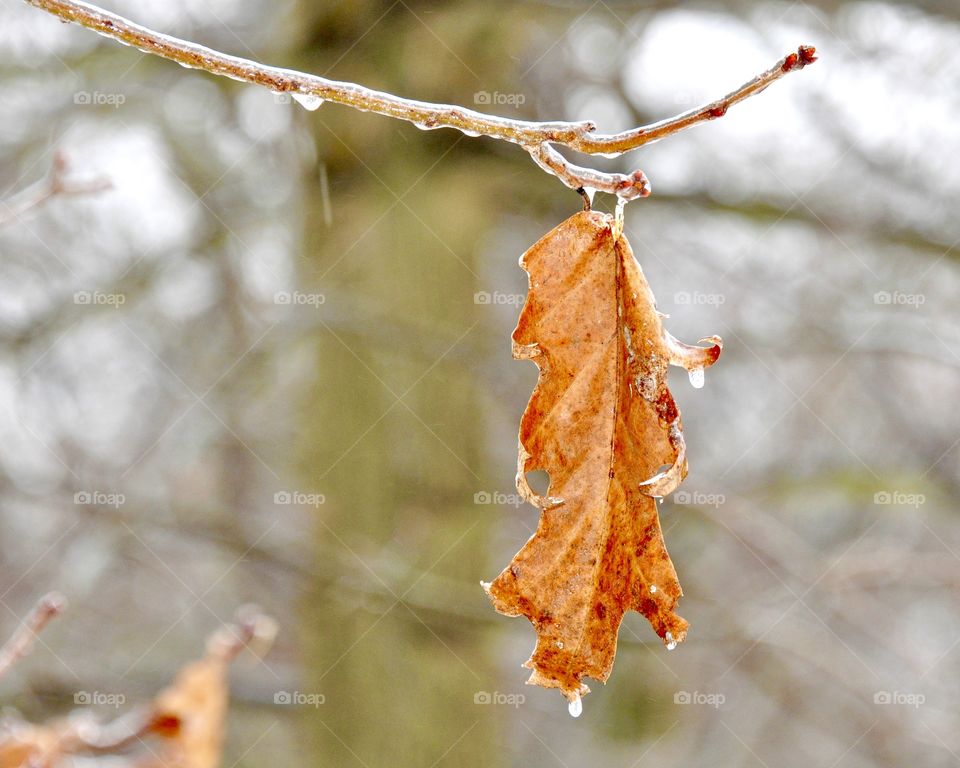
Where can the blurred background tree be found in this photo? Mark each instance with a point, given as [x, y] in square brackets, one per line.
[306, 395]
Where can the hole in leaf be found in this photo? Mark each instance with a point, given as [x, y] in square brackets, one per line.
[539, 481]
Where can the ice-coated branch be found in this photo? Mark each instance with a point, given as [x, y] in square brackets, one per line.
[535, 137]
[19, 645]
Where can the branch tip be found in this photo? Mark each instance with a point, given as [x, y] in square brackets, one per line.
[21, 643]
[52, 604]
[806, 54]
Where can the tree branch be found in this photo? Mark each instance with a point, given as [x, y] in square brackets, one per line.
[19, 645]
[57, 183]
[83, 734]
[535, 137]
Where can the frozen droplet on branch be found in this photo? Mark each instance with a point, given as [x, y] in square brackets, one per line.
[696, 378]
[309, 101]
[671, 643]
[575, 707]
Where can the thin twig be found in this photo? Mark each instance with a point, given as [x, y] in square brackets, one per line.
[252, 629]
[57, 183]
[533, 136]
[83, 734]
[19, 645]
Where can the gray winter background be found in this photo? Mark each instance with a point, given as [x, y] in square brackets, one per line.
[271, 364]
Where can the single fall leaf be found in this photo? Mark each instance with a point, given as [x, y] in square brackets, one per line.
[188, 717]
[24, 744]
[603, 424]
[181, 727]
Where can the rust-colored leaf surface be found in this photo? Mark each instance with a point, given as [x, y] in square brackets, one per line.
[181, 727]
[189, 716]
[23, 744]
[603, 424]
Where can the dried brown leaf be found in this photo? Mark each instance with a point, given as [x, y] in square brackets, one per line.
[603, 424]
[24, 744]
[182, 727]
[188, 717]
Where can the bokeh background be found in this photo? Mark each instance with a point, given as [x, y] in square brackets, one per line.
[272, 365]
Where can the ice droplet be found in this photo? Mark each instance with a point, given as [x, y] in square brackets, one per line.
[618, 213]
[671, 643]
[653, 589]
[309, 101]
[696, 378]
[575, 707]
